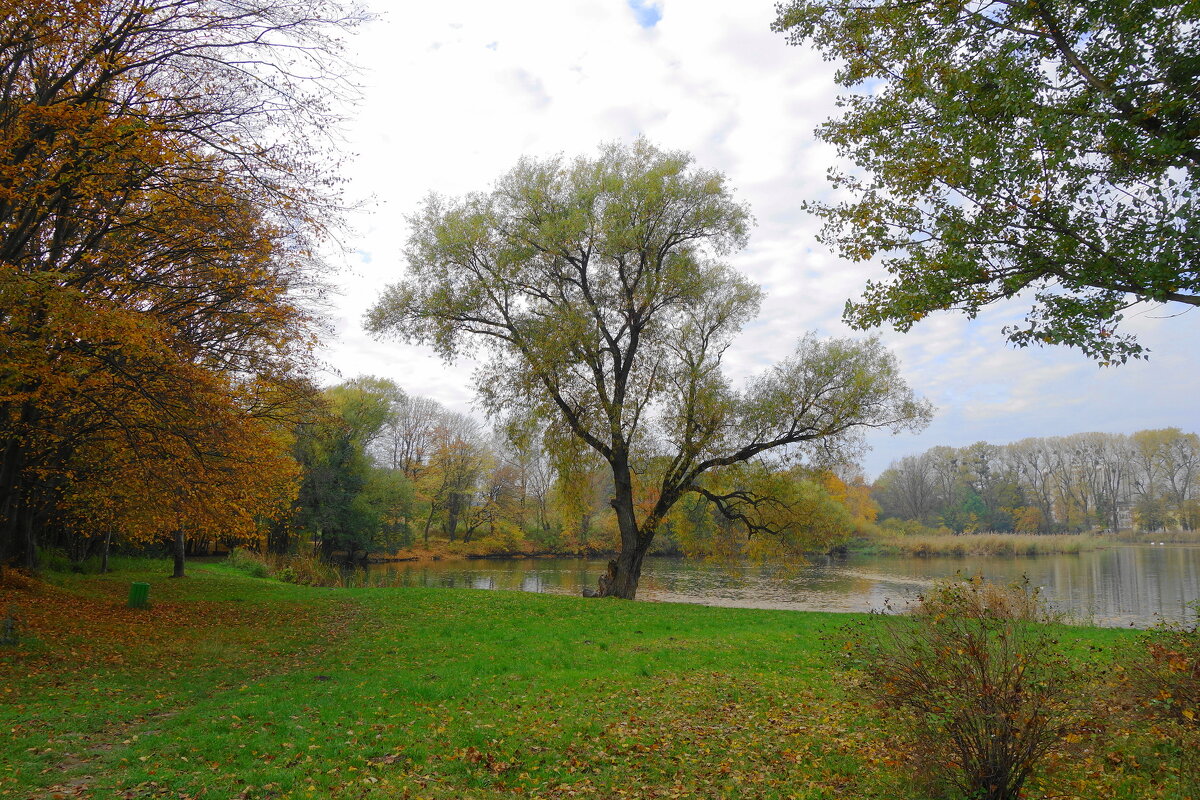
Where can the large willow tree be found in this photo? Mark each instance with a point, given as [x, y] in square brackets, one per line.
[594, 292]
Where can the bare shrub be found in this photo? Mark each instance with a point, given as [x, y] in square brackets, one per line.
[977, 677]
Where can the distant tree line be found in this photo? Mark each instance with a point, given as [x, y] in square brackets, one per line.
[383, 470]
[1149, 480]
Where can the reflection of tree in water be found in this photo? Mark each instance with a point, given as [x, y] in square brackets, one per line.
[1117, 586]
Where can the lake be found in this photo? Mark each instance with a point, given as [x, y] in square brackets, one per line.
[1135, 585]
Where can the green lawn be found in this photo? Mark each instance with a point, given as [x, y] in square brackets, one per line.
[232, 686]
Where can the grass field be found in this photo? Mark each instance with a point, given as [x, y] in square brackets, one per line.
[239, 687]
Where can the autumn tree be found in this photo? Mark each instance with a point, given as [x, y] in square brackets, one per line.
[853, 493]
[163, 195]
[1049, 150]
[519, 446]
[784, 500]
[147, 485]
[406, 440]
[906, 489]
[594, 290]
[458, 458]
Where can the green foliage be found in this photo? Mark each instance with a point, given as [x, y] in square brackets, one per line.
[1032, 148]
[979, 680]
[904, 527]
[304, 569]
[790, 513]
[967, 513]
[593, 292]
[345, 502]
[385, 502]
[248, 562]
[56, 560]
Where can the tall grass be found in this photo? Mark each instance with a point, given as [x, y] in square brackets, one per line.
[303, 569]
[985, 544]
[1169, 537]
[56, 561]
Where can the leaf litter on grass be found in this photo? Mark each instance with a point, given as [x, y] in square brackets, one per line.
[92, 676]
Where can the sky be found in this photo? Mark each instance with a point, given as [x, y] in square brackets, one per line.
[455, 92]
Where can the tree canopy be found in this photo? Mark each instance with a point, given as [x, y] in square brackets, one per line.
[1015, 147]
[164, 192]
[593, 290]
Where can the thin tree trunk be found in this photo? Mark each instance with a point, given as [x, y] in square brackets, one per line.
[452, 510]
[104, 553]
[428, 523]
[179, 550]
[31, 557]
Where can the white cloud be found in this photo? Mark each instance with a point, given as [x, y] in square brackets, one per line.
[456, 92]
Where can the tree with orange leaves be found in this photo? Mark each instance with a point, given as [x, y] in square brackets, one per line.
[161, 210]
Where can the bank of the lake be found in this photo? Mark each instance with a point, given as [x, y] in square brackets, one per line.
[1122, 585]
[231, 686]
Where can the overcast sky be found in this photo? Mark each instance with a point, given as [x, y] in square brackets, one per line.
[455, 92]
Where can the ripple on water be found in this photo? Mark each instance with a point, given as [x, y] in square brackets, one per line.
[1119, 586]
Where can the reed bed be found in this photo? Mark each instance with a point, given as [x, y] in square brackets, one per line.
[985, 544]
[1159, 537]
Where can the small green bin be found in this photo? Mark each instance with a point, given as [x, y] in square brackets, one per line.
[139, 595]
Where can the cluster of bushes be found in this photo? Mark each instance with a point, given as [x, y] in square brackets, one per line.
[980, 679]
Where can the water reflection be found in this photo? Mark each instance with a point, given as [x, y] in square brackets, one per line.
[1134, 585]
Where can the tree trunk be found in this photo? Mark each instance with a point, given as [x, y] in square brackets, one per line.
[428, 523]
[278, 538]
[104, 553]
[179, 550]
[625, 570]
[30, 537]
[623, 574]
[452, 510]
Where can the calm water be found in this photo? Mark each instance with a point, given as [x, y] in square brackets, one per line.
[1136, 585]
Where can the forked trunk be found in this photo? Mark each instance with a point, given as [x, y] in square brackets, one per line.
[428, 523]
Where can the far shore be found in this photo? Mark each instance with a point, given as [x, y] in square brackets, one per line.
[931, 545]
